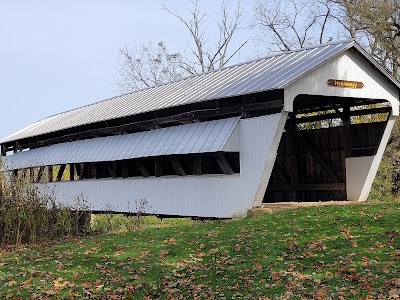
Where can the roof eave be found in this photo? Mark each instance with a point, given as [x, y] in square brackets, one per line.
[376, 64]
[355, 45]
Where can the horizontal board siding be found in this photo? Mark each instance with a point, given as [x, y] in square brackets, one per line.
[220, 196]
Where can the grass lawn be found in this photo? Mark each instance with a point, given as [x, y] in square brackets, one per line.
[344, 252]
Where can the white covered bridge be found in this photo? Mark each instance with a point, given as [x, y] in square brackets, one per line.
[305, 125]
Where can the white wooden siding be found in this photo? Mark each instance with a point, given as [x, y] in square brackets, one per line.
[220, 196]
[361, 171]
[348, 66]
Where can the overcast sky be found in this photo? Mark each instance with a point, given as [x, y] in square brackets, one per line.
[59, 55]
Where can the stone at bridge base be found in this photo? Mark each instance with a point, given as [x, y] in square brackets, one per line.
[258, 211]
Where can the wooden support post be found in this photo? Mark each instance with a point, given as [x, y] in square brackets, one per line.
[223, 163]
[142, 168]
[49, 173]
[111, 166]
[197, 164]
[245, 114]
[348, 136]
[295, 132]
[83, 171]
[71, 172]
[159, 166]
[125, 169]
[177, 166]
[18, 147]
[116, 166]
[32, 174]
[40, 174]
[344, 117]
[96, 166]
[60, 172]
[78, 168]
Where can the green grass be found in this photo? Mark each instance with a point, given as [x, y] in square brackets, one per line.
[345, 252]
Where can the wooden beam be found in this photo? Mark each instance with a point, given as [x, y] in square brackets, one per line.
[96, 166]
[158, 166]
[71, 172]
[31, 174]
[177, 166]
[348, 134]
[197, 164]
[295, 132]
[50, 173]
[83, 171]
[345, 119]
[40, 174]
[315, 118]
[24, 173]
[309, 102]
[78, 168]
[142, 168]
[339, 186]
[111, 166]
[270, 105]
[360, 112]
[60, 172]
[125, 169]
[223, 163]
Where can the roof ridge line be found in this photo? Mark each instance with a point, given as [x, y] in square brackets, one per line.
[203, 73]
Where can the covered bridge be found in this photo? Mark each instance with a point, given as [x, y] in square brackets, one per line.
[305, 125]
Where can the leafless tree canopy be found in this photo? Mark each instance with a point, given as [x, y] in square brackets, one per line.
[153, 64]
[290, 24]
[279, 24]
[147, 66]
[376, 25]
[293, 24]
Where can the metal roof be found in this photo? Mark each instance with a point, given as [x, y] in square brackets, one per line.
[211, 136]
[269, 73]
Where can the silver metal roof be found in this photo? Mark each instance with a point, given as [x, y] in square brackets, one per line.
[272, 72]
[211, 136]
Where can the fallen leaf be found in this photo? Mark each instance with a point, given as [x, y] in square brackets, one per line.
[12, 283]
[394, 294]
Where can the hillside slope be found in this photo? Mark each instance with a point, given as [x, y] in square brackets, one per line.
[346, 252]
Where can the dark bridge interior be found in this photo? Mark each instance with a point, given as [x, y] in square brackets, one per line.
[319, 135]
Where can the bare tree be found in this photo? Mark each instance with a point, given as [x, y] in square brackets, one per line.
[151, 64]
[292, 24]
[147, 66]
[376, 25]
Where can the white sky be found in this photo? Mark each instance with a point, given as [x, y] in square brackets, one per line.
[59, 55]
